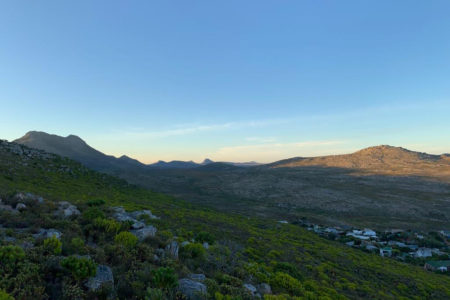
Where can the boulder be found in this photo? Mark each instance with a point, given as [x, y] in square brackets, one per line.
[206, 245]
[172, 249]
[138, 213]
[103, 277]
[143, 233]
[47, 233]
[264, 289]
[250, 288]
[67, 210]
[197, 277]
[138, 225]
[193, 290]
[121, 215]
[21, 206]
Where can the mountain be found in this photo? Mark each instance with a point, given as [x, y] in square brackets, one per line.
[384, 159]
[75, 148]
[174, 164]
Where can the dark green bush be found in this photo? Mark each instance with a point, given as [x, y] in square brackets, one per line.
[92, 213]
[80, 267]
[53, 245]
[204, 236]
[9, 255]
[193, 250]
[164, 278]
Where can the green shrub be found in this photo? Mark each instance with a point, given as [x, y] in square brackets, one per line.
[285, 282]
[193, 250]
[5, 296]
[164, 278]
[204, 236]
[96, 202]
[154, 294]
[92, 213]
[77, 245]
[126, 239]
[107, 225]
[53, 245]
[11, 254]
[80, 267]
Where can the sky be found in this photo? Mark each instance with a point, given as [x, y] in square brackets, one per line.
[228, 80]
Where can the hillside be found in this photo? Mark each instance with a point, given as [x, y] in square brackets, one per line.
[242, 250]
[380, 187]
[385, 160]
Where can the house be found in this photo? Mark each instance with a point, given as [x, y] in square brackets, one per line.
[436, 251]
[438, 265]
[386, 252]
[369, 232]
[445, 233]
[395, 243]
[358, 236]
[423, 252]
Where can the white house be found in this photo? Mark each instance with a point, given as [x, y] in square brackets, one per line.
[423, 252]
[369, 232]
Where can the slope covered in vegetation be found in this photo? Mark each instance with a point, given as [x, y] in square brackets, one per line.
[234, 252]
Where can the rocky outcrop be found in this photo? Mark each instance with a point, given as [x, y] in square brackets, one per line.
[264, 289]
[146, 212]
[28, 197]
[197, 277]
[103, 278]
[193, 290]
[172, 249]
[67, 210]
[21, 206]
[143, 233]
[47, 233]
[251, 289]
[121, 215]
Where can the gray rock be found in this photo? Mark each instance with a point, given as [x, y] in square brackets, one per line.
[172, 249]
[47, 233]
[67, 210]
[137, 214]
[250, 288]
[192, 289]
[8, 207]
[121, 215]
[21, 206]
[143, 233]
[197, 277]
[104, 276]
[264, 289]
[205, 245]
[9, 239]
[138, 225]
[185, 243]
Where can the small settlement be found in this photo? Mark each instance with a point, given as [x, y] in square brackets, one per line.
[430, 250]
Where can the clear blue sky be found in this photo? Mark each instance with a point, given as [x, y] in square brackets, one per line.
[228, 80]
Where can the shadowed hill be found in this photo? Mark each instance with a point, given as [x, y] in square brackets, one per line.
[75, 148]
[379, 160]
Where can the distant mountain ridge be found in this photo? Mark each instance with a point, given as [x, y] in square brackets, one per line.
[382, 159]
[75, 148]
